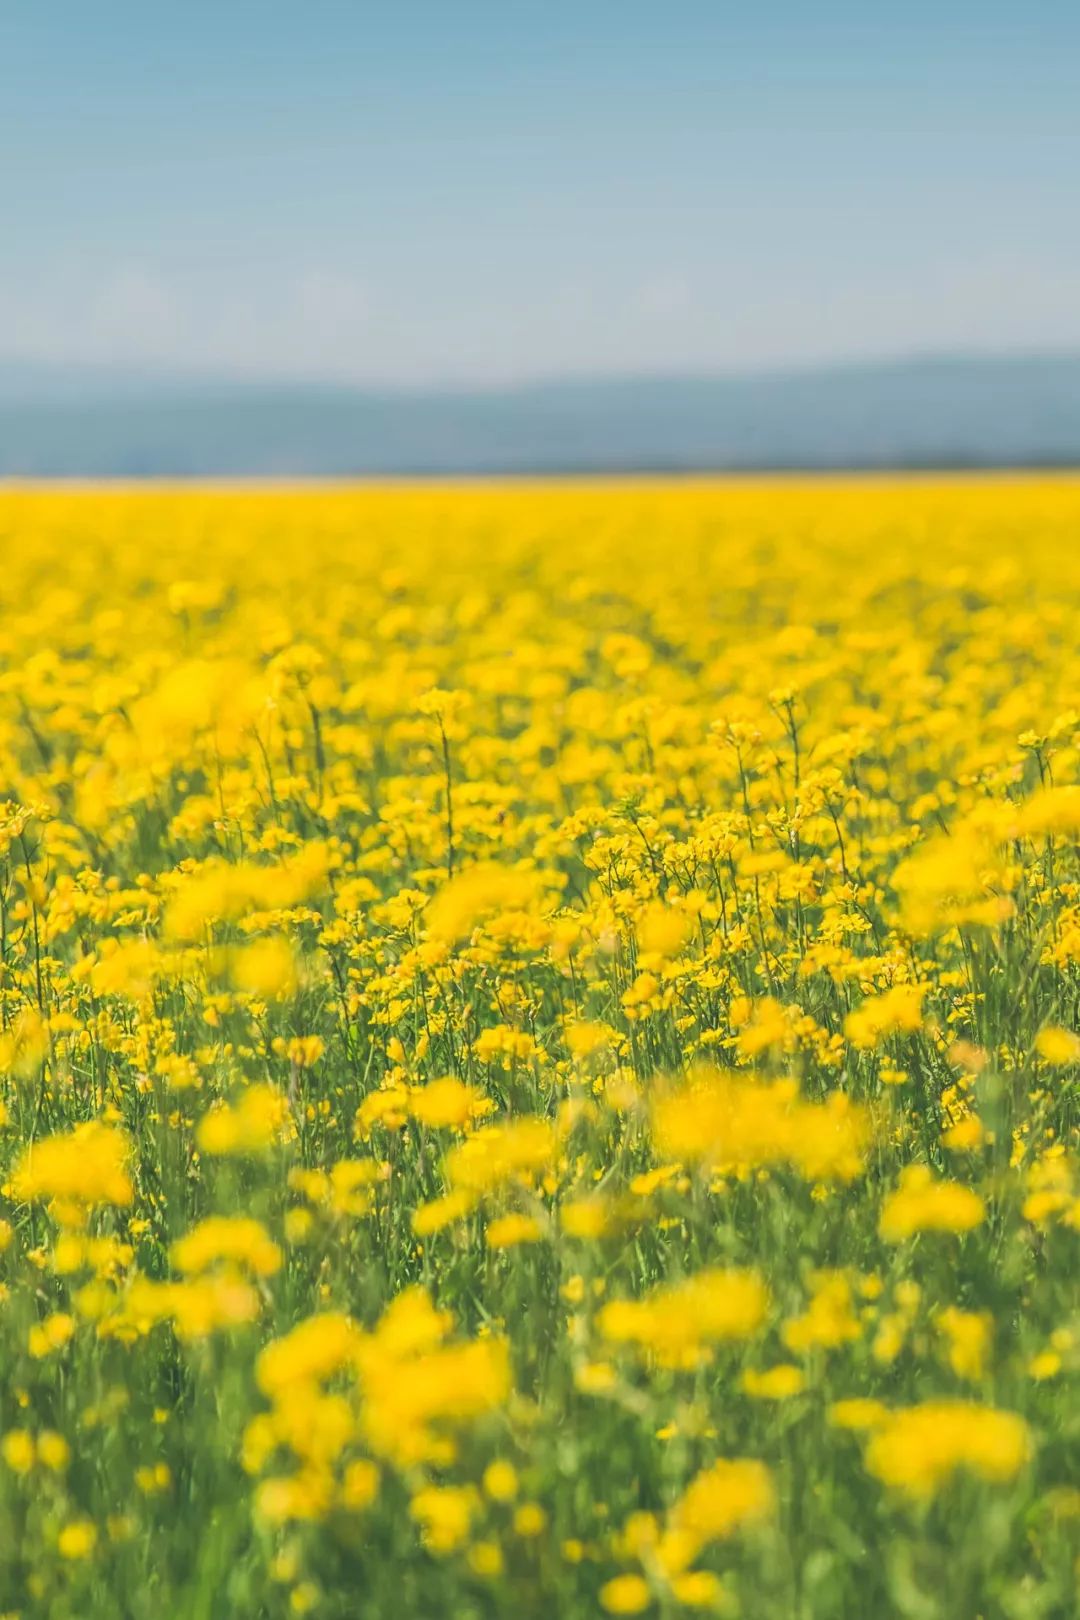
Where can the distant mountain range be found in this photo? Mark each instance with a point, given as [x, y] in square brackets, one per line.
[950, 411]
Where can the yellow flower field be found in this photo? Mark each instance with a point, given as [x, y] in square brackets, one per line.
[539, 1036]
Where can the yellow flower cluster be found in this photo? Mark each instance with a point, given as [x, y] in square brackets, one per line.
[680, 1322]
[399, 1392]
[918, 1448]
[734, 1125]
[539, 1049]
[76, 1171]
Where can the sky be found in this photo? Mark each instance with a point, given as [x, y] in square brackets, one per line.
[449, 192]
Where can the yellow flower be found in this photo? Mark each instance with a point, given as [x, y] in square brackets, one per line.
[78, 1170]
[410, 1399]
[511, 1230]
[969, 1335]
[679, 1323]
[625, 1594]
[596, 1378]
[476, 893]
[267, 967]
[251, 1125]
[858, 1412]
[237, 1239]
[152, 1480]
[501, 1044]
[775, 1383]
[300, 1497]
[1058, 1047]
[447, 1103]
[917, 1449]
[53, 1450]
[731, 1123]
[697, 1589]
[223, 892]
[923, 1204]
[441, 1212]
[444, 1514]
[500, 1481]
[313, 1349]
[360, 1484]
[299, 1224]
[965, 1135]
[77, 1539]
[388, 1107]
[305, 1050]
[663, 930]
[829, 1320]
[952, 880]
[304, 1598]
[730, 1495]
[486, 1559]
[25, 1044]
[518, 1150]
[585, 1037]
[897, 1011]
[196, 1307]
[52, 1334]
[587, 1218]
[529, 1520]
[18, 1450]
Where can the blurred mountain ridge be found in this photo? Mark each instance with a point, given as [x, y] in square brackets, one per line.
[933, 411]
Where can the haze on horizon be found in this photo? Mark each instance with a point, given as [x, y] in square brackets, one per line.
[465, 195]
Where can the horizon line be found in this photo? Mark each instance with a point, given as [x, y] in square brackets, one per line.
[178, 377]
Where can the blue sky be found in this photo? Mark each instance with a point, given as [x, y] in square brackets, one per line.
[457, 191]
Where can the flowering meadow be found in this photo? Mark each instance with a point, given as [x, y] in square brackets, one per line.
[539, 1051]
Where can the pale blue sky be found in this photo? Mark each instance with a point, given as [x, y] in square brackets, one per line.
[462, 191]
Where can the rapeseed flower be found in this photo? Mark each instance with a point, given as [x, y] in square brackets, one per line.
[923, 1204]
[490, 981]
[917, 1449]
